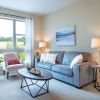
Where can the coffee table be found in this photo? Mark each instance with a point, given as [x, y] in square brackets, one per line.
[26, 75]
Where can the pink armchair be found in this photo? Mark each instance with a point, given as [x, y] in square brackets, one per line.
[11, 63]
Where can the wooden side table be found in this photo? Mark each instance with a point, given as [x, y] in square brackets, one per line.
[96, 76]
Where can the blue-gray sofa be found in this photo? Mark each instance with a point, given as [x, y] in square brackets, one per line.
[78, 76]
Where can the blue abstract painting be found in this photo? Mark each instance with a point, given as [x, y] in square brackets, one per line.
[65, 36]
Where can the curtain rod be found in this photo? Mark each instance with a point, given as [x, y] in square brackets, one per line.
[4, 14]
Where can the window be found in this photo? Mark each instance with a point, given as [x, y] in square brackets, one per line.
[12, 36]
[20, 34]
[6, 34]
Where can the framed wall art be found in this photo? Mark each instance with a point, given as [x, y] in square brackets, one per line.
[66, 36]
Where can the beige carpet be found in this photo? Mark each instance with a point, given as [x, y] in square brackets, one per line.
[10, 90]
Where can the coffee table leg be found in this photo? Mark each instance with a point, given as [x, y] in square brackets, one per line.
[33, 83]
[24, 79]
[21, 83]
[28, 87]
[46, 83]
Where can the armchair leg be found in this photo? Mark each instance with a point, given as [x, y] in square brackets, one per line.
[7, 75]
[3, 72]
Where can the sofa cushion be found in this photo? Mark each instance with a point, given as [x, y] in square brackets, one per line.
[63, 69]
[69, 56]
[45, 65]
[60, 55]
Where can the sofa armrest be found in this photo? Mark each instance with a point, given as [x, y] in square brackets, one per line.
[83, 73]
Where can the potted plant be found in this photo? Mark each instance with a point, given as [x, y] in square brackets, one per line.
[1, 60]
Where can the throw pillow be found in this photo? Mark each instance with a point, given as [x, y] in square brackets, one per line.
[43, 56]
[76, 60]
[50, 58]
[12, 61]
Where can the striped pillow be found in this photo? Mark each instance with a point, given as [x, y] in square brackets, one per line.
[43, 56]
[50, 58]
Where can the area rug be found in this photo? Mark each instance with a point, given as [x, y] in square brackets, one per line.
[10, 90]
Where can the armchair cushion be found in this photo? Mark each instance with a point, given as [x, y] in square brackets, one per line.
[12, 61]
[15, 66]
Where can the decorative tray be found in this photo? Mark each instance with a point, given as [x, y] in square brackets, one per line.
[35, 71]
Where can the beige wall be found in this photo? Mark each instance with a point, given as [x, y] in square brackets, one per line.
[84, 14]
[38, 30]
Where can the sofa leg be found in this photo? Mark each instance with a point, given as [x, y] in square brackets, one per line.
[3, 72]
[7, 75]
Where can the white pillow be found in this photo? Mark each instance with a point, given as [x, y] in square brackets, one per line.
[43, 56]
[50, 58]
[78, 59]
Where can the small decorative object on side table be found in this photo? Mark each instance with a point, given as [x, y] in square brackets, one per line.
[96, 76]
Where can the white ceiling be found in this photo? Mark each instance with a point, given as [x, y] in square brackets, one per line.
[35, 6]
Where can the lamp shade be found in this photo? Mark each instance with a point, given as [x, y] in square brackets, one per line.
[95, 43]
[42, 44]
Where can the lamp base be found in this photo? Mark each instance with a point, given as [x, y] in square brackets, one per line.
[37, 53]
[98, 61]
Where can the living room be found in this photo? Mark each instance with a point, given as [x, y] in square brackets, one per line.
[44, 20]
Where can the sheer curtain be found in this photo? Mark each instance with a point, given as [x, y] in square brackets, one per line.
[29, 41]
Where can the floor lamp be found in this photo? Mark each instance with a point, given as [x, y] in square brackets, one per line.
[95, 43]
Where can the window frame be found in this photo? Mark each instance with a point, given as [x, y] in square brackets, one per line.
[14, 48]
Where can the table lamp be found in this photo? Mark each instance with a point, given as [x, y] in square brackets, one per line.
[42, 45]
[95, 43]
